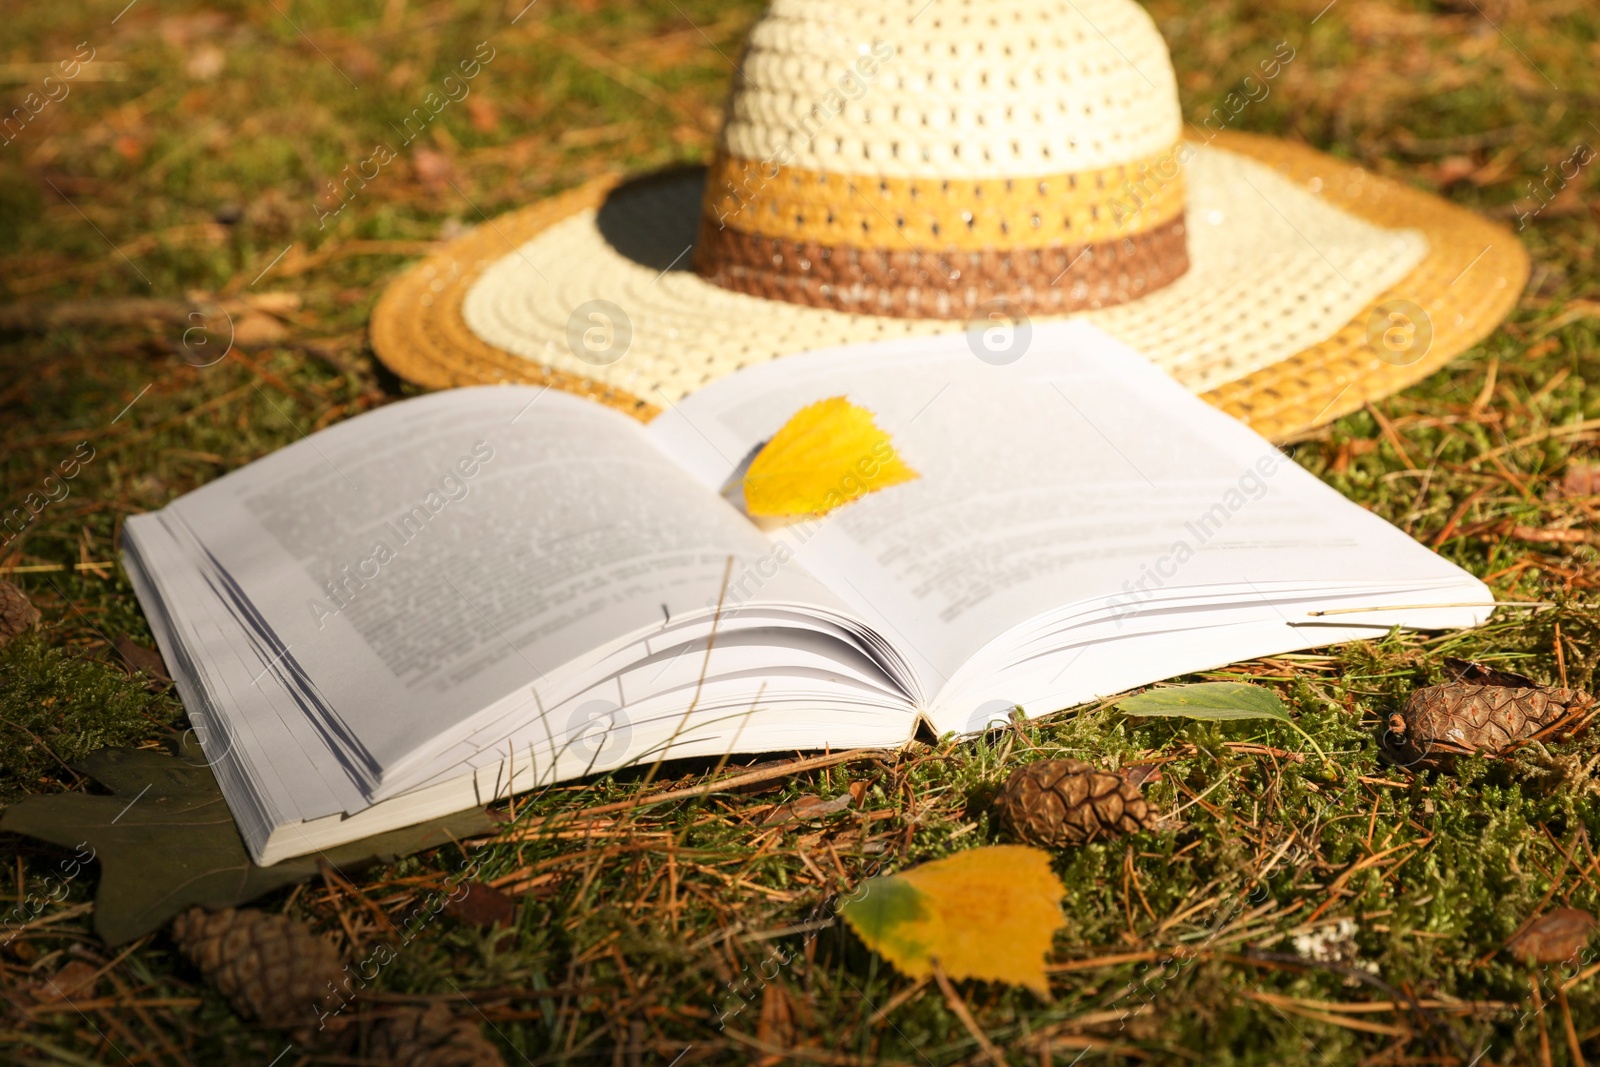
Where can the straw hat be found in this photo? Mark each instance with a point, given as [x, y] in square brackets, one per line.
[900, 167]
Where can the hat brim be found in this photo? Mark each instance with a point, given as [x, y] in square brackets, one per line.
[1454, 294]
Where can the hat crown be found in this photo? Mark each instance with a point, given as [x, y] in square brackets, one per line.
[925, 158]
[953, 88]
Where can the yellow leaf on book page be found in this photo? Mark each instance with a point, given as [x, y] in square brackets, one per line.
[987, 913]
[827, 455]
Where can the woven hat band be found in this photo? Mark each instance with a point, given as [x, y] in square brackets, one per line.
[942, 248]
[943, 284]
[945, 214]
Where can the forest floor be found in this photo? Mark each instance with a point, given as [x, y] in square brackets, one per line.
[188, 165]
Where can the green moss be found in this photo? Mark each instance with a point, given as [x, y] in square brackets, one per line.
[57, 705]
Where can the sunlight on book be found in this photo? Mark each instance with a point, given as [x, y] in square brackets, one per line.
[486, 590]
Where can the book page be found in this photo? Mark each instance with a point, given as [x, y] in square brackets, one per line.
[413, 566]
[1078, 473]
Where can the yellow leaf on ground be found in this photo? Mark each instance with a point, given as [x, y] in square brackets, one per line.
[827, 455]
[987, 913]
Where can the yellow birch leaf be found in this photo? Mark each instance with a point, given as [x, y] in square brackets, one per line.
[987, 913]
[827, 455]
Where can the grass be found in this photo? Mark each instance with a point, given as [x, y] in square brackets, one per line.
[189, 158]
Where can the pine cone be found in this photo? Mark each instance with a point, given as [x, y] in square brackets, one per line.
[17, 613]
[1442, 722]
[431, 1038]
[1065, 802]
[270, 967]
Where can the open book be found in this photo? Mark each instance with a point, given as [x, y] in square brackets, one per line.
[485, 590]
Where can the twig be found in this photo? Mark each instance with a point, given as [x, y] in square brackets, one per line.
[898, 999]
[1538, 1011]
[1425, 1022]
[1570, 430]
[1097, 962]
[51, 568]
[1456, 516]
[1561, 660]
[1175, 812]
[738, 781]
[959, 1006]
[1573, 1044]
[1389, 433]
[1361, 865]
[1289, 1004]
[42, 743]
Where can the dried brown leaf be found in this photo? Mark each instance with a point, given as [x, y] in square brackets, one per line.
[808, 807]
[17, 613]
[75, 981]
[145, 660]
[1471, 672]
[1582, 478]
[434, 170]
[1554, 937]
[255, 328]
[482, 905]
[1142, 774]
